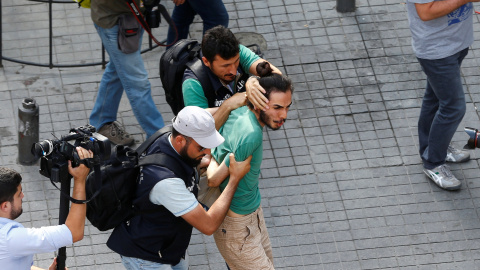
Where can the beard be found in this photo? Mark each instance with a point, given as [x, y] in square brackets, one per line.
[190, 161]
[229, 78]
[16, 213]
[267, 120]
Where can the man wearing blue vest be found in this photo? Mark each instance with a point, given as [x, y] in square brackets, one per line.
[442, 31]
[159, 237]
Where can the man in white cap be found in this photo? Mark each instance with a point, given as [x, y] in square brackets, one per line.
[159, 237]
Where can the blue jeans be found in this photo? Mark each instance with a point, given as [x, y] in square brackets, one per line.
[124, 71]
[212, 12]
[139, 264]
[443, 107]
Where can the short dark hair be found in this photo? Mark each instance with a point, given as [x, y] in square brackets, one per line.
[175, 132]
[9, 181]
[274, 83]
[219, 40]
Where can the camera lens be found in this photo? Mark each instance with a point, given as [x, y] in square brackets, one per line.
[42, 148]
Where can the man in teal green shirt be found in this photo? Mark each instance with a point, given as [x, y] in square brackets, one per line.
[228, 66]
[243, 133]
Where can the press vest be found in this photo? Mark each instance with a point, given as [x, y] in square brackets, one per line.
[159, 236]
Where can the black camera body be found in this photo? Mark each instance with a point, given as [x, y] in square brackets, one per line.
[55, 154]
[152, 13]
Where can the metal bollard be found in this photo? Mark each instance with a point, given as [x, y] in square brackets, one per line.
[28, 128]
[345, 5]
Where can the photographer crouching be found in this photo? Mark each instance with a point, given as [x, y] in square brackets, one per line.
[17, 243]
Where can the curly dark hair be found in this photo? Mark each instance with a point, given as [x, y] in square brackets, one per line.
[264, 69]
[219, 40]
[9, 181]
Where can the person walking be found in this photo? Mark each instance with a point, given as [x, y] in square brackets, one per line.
[442, 31]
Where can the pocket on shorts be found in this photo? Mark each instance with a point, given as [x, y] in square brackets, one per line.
[237, 239]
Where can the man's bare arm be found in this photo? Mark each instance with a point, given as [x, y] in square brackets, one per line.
[221, 114]
[76, 217]
[216, 173]
[437, 9]
[208, 222]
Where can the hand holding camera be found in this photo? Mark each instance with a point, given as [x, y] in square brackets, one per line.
[80, 172]
[57, 154]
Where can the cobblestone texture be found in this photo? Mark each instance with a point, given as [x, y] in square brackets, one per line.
[342, 183]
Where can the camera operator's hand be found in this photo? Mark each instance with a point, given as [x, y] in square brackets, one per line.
[76, 217]
[53, 266]
[80, 172]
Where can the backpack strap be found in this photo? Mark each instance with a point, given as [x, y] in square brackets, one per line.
[198, 69]
[152, 138]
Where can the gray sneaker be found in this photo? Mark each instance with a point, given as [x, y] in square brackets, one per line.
[443, 177]
[456, 156]
[116, 134]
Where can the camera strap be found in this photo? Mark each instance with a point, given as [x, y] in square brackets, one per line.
[98, 177]
[141, 19]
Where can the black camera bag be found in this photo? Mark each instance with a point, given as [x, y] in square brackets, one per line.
[110, 198]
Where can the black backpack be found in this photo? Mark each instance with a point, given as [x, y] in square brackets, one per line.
[185, 53]
[112, 190]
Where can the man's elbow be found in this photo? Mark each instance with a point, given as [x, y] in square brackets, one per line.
[212, 184]
[77, 237]
[425, 17]
[426, 12]
[208, 231]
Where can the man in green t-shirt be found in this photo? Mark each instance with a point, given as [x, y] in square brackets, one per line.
[228, 66]
[243, 133]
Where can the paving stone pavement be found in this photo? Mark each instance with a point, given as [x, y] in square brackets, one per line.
[342, 185]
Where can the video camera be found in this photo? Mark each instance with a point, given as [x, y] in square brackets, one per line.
[55, 154]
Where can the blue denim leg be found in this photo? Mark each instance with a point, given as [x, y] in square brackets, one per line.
[443, 107]
[212, 12]
[124, 72]
[131, 263]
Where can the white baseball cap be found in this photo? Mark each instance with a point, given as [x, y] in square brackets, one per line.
[197, 123]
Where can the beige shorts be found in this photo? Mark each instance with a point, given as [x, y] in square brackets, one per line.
[244, 242]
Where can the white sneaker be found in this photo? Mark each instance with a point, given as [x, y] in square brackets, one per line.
[456, 156]
[443, 177]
